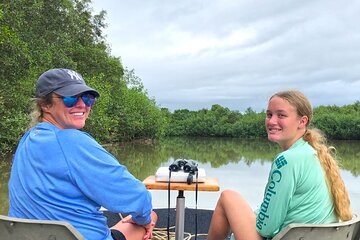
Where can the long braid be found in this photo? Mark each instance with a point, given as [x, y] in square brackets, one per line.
[327, 159]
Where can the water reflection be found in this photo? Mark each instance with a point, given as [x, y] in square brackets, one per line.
[143, 159]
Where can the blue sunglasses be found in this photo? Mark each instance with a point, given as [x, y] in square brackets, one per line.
[88, 99]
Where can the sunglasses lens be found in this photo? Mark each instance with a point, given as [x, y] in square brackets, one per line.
[70, 101]
[89, 100]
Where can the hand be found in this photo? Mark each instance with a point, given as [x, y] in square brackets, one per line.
[148, 227]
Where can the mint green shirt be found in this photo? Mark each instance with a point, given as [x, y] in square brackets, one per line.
[296, 192]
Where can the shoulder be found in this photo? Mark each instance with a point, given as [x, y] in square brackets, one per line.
[72, 140]
[67, 134]
[295, 159]
[74, 136]
[297, 162]
[80, 148]
[300, 151]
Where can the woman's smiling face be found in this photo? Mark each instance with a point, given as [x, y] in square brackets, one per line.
[66, 118]
[283, 125]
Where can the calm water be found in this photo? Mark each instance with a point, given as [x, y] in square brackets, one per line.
[242, 165]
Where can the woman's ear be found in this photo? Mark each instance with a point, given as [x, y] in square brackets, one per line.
[304, 120]
[45, 108]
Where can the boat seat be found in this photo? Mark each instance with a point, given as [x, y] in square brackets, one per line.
[349, 230]
[30, 229]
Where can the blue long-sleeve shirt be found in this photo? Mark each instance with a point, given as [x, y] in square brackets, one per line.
[66, 175]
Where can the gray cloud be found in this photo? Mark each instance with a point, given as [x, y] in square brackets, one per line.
[192, 54]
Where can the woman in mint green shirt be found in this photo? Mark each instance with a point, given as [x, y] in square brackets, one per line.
[304, 184]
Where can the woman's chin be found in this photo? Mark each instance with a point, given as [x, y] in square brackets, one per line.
[272, 138]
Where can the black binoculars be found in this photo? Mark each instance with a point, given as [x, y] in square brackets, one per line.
[186, 166]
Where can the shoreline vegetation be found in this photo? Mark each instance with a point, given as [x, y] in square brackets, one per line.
[37, 36]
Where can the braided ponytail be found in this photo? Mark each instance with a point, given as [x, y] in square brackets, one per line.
[326, 157]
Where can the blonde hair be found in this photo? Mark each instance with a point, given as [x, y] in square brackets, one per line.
[325, 154]
[37, 114]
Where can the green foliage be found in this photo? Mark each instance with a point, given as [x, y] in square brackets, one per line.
[341, 123]
[38, 35]
[139, 116]
[4, 179]
[123, 113]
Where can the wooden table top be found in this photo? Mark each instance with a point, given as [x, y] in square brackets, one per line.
[210, 184]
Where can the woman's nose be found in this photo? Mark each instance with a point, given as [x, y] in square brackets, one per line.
[271, 119]
[80, 103]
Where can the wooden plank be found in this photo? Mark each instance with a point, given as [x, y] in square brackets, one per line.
[210, 184]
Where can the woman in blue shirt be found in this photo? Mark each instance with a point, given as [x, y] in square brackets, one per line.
[304, 184]
[62, 173]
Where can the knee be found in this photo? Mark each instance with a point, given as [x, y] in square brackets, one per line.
[229, 196]
[226, 194]
[154, 217]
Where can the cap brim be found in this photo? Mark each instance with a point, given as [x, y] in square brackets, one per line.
[76, 89]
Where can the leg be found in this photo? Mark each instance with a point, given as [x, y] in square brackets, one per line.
[132, 231]
[233, 212]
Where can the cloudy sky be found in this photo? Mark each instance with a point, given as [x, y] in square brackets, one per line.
[193, 54]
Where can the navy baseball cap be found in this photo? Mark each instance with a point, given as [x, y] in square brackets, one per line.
[64, 82]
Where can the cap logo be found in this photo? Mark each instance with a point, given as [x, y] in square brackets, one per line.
[73, 74]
